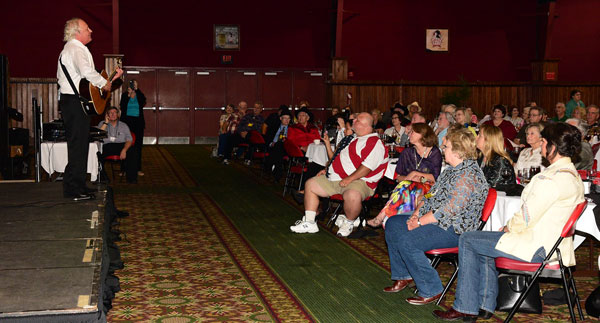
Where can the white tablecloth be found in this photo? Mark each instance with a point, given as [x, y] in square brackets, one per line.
[507, 206]
[317, 153]
[391, 168]
[55, 157]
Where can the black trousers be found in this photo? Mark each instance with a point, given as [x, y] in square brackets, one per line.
[129, 165]
[136, 126]
[77, 130]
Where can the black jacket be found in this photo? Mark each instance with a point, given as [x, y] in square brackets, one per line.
[493, 172]
[141, 101]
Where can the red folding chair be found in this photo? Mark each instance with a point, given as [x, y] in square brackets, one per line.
[451, 254]
[258, 142]
[116, 160]
[547, 268]
[296, 167]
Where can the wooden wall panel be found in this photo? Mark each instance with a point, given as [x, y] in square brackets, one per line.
[22, 91]
[368, 95]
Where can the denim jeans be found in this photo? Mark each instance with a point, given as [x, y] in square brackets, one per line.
[222, 144]
[477, 286]
[407, 252]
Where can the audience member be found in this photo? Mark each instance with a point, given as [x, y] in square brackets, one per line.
[585, 159]
[463, 118]
[274, 161]
[413, 107]
[397, 131]
[535, 116]
[495, 161]
[235, 136]
[303, 133]
[560, 113]
[453, 207]
[547, 202]
[444, 121]
[118, 142]
[273, 122]
[515, 118]
[574, 102]
[508, 130]
[579, 113]
[593, 113]
[227, 124]
[531, 156]
[525, 115]
[353, 173]
[420, 163]
[474, 120]
[132, 113]
[378, 125]
[252, 121]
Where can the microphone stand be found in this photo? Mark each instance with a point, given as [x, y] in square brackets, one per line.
[37, 128]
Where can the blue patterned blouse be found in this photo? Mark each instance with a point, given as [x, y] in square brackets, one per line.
[457, 197]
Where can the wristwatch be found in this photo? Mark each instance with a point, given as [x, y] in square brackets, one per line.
[419, 221]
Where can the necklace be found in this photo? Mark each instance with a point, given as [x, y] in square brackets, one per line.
[425, 154]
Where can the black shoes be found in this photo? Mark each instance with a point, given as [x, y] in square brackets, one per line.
[298, 197]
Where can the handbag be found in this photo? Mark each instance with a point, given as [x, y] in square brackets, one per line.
[510, 287]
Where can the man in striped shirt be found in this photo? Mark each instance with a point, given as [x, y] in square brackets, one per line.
[353, 173]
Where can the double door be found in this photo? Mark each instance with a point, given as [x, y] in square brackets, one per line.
[184, 105]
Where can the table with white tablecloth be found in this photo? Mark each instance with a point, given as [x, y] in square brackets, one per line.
[317, 153]
[54, 157]
[507, 206]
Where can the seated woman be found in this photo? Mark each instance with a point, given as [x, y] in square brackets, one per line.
[397, 131]
[418, 166]
[495, 162]
[532, 156]
[463, 117]
[378, 125]
[546, 204]
[225, 121]
[452, 206]
[508, 129]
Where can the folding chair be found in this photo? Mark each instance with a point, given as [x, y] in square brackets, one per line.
[257, 142]
[547, 269]
[451, 254]
[116, 160]
[297, 165]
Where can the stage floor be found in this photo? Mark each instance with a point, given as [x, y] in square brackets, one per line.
[50, 251]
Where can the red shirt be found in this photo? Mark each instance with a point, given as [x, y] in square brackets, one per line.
[302, 136]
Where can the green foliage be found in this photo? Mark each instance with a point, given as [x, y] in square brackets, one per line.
[458, 96]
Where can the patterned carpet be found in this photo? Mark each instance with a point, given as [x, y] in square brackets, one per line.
[197, 248]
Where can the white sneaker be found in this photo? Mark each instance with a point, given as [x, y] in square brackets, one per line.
[225, 161]
[341, 218]
[247, 162]
[302, 226]
[346, 228]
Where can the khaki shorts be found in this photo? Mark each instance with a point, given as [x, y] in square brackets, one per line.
[332, 188]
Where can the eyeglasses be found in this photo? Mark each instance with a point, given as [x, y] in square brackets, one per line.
[395, 118]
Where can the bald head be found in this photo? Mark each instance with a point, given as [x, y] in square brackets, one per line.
[363, 125]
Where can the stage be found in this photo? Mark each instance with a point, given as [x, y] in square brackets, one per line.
[54, 254]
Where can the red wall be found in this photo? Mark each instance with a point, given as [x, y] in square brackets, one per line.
[576, 40]
[384, 40]
[488, 40]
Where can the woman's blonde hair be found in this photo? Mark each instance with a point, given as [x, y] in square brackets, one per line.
[494, 143]
[463, 142]
[582, 112]
[71, 29]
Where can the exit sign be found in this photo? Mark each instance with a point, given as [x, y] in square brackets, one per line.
[550, 76]
[226, 59]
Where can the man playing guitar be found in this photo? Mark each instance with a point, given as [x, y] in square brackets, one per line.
[79, 63]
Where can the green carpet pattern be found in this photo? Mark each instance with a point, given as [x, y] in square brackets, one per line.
[209, 242]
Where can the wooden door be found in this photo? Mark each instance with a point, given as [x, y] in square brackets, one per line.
[146, 78]
[209, 100]
[310, 86]
[174, 102]
[276, 88]
[242, 85]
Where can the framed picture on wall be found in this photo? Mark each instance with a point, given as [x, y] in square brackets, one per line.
[227, 37]
[436, 40]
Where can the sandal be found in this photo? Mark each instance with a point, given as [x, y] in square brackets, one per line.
[375, 222]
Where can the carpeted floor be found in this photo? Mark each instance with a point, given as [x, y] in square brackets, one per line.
[208, 242]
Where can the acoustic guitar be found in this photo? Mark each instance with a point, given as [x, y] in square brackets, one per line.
[96, 99]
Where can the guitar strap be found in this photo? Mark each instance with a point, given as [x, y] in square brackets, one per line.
[82, 101]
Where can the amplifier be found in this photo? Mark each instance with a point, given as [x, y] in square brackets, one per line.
[54, 131]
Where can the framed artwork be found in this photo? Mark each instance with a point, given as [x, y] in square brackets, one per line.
[436, 40]
[227, 37]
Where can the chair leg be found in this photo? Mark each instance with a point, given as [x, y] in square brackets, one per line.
[577, 300]
[334, 215]
[287, 177]
[449, 284]
[521, 298]
[567, 294]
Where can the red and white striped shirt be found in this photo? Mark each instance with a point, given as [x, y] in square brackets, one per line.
[367, 150]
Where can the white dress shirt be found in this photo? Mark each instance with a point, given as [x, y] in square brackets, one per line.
[80, 64]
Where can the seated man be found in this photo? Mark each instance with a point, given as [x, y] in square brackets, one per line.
[118, 142]
[353, 173]
[249, 122]
[274, 162]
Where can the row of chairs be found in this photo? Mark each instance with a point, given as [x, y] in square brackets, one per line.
[551, 267]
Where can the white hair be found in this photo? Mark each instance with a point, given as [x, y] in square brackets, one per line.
[71, 29]
[578, 124]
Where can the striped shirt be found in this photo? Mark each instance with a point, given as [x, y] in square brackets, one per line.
[368, 151]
